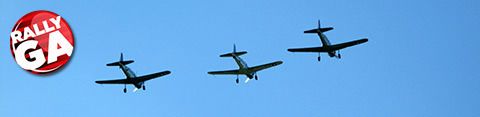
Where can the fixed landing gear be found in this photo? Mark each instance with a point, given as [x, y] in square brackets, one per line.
[256, 77]
[237, 79]
[319, 58]
[125, 89]
[143, 87]
[339, 56]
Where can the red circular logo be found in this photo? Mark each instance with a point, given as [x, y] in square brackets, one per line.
[41, 42]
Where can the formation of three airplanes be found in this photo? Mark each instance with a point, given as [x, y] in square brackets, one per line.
[250, 72]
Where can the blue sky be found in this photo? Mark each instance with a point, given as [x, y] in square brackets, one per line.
[421, 59]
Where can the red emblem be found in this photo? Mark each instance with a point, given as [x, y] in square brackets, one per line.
[41, 42]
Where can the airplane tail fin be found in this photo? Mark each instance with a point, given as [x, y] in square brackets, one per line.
[233, 53]
[120, 62]
[319, 29]
[121, 56]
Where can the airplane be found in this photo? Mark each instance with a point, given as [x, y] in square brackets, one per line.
[250, 72]
[327, 47]
[138, 82]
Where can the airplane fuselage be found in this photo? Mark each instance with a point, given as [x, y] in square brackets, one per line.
[243, 67]
[130, 76]
[326, 44]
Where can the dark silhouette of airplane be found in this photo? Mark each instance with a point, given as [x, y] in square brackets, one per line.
[250, 72]
[327, 47]
[138, 82]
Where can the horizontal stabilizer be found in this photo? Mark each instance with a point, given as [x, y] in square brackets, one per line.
[311, 31]
[231, 54]
[316, 30]
[118, 63]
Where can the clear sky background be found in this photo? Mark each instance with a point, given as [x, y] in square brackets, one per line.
[421, 59]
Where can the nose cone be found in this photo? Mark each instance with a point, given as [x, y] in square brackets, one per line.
[139, 85]
[331, 54]
[250, 76]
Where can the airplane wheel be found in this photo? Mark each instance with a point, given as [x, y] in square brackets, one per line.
[237, 80]
[256, 77]
[339, 56]
[124, 90]
[319, 59]
[143, 87]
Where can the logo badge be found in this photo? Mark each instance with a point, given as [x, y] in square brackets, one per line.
[41, 42]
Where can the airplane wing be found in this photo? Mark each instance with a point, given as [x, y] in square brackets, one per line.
[311, 49]
[265, 66]
[348, 44]
[331, 48]
[119, 81]
[152, 76]
[226, 72]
